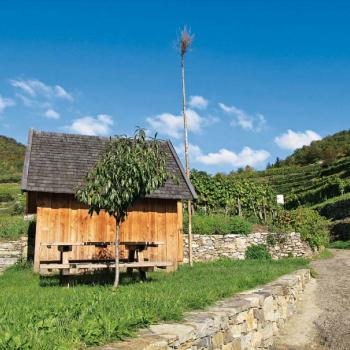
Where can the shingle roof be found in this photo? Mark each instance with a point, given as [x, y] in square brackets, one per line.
[58, 163]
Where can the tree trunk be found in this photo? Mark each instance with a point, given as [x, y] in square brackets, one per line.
[117, 240]
[239, 207]
[186, 158]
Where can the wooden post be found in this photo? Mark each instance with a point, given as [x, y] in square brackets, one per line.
[189, 206]
[190, 252]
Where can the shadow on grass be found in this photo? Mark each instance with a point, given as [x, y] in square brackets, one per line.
[97, 278]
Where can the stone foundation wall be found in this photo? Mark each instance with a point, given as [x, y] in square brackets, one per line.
[211, 247]
[12, 251]
[247, 321]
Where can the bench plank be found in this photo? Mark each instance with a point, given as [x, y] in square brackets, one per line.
[136, 265]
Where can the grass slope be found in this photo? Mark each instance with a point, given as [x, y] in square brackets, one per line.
[11, 159]
[39, 315]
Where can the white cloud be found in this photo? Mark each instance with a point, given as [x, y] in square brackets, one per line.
[60, 92]
[5, 102]
[52, 114]
[198, 102]
[172, 125]
[247, 156]
[247, 122]
[292, 140]
[224, 156]
[36, 88]
[88, 125]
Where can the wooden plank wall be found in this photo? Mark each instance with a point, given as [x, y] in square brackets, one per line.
[60, 218]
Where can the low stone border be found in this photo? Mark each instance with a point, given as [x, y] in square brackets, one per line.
[211, 247]
[13, 251]
[247, 321]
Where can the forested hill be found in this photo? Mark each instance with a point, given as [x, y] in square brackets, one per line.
[327, 150]
[11, 159]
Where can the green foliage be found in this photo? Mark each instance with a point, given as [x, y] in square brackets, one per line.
[313, 227]
[12, 227]
[335, 208]
[328, 149]
[11, 160]
[38, 314]
[340, 245]
[9, 192]
[230, 195]
[218, 224]
[129, 169]
[257, 252]
[18, 205]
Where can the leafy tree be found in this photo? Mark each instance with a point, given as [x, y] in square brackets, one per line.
[129, 168]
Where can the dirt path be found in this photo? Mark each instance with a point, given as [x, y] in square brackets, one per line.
[322, 320]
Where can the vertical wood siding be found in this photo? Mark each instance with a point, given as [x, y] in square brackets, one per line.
[60, 218]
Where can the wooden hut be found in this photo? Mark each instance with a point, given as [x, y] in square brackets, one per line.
[56, 164]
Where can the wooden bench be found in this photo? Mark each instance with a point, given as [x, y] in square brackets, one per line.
[135, 259]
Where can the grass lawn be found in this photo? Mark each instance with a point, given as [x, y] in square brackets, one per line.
[340, 245]
[38, 314]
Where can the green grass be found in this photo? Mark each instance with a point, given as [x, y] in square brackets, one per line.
[326, 254]
[333, 200]
[9, 191]
[12, 227]
[340, 245]
[39, 314]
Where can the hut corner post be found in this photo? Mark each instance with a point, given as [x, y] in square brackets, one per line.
[190, 254]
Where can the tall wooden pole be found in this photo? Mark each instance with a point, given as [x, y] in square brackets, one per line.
[187, 162]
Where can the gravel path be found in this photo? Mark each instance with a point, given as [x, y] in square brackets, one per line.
[322, 320]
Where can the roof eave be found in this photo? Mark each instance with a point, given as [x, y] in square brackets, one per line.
[179, 164]
[26, 161]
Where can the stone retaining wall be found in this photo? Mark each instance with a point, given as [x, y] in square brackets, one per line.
[12, 251]
[247, 321]
[211, 247]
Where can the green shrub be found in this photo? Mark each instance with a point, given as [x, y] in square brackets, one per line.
[12, 227]
[314, 228]
[257, 252]
[218, 224]
[18, 206]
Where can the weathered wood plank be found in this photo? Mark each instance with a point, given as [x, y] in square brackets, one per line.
[62, 219]
[180, 245]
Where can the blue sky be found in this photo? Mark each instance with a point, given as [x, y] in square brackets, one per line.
[265, 76]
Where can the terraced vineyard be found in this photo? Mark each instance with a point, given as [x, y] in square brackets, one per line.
[324, 188]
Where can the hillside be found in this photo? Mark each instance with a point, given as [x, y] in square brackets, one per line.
[316, 176]
[11, 159]
[327, 150]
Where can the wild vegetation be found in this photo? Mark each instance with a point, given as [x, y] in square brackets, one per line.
[39, 315]
[11, 160]
[340, 245]
[218, 224]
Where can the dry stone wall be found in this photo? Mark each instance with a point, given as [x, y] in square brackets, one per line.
[12, 251]
[211, 247]
[248, 321]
